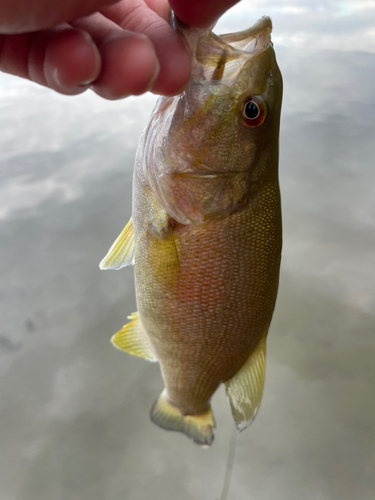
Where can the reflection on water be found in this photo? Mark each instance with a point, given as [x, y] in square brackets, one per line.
[74, 411]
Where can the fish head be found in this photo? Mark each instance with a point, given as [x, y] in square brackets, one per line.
[212, 146]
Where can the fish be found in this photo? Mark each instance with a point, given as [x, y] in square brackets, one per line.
[205, 235]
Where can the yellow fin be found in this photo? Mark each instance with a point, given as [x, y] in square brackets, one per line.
[163, 252]
[121, 252]
[244, 390]
[197, 427]
[133, 340]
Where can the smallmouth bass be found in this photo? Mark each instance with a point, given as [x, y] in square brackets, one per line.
[205, 234]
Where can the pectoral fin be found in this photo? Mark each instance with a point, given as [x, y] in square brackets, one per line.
[162, 246]
[133, 340]
[121, 252]
[244, 390]
[164, 254]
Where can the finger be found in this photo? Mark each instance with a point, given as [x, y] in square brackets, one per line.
[200, 13]
[129, 62]
[160, 7]
[175, 66]
[63, 59]
[32, 15]
[72, 61]
[137, 71]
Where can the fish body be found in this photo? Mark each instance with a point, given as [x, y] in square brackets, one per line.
[205, 234]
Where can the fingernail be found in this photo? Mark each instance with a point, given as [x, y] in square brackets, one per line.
[154, 77]
[55, 75]
[87, 82]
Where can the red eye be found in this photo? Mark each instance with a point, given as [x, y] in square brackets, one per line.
[253, 111]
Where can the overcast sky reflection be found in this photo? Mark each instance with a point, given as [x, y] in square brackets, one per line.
[74, 411]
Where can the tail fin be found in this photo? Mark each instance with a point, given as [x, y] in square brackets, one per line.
[197, 427]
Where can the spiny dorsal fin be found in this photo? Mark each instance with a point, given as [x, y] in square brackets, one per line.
[121, 252]
[133, 340]
[244, 390]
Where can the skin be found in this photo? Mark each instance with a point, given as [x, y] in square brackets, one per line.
[74, 45]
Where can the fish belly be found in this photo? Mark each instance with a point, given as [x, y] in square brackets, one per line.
[205, 316]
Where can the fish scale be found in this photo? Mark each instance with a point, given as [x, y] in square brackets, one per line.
[218, 298]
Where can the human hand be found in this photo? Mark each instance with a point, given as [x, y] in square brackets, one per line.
[114, 48]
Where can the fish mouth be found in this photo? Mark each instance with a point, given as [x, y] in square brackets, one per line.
[219, 58]
[254, 39]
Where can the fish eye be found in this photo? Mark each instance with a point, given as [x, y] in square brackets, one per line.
[253, 111]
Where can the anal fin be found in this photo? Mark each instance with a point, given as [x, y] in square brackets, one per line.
[245, 390]
[197, 427]
[121, 252]
[133, 340]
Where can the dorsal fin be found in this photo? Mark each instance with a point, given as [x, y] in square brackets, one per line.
[245, 390]
[133, 340]
[122, 251]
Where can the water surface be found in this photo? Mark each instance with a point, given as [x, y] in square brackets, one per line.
[74, 411]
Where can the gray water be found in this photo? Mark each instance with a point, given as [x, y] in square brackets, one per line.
[74, 412]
